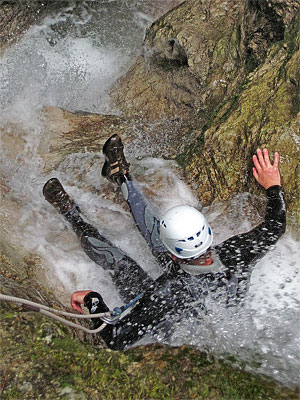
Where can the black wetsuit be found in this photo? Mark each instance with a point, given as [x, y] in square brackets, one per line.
[173, 294]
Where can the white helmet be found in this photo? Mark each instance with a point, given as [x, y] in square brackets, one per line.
[185, 232]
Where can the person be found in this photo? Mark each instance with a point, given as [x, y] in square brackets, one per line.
[193, 269]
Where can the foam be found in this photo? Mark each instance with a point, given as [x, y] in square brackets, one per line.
[75, 70]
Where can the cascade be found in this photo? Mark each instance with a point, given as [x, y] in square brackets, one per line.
[70, 60]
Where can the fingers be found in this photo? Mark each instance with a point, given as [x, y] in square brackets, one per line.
[76, 306]
[276, 160]
[77, 299]
[256, 163]
[266, 158]
[264, 172]
[76, 302]
[261, 158]
[255, 174]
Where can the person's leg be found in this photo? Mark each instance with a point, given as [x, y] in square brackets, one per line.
[143, 216]
[116, 170]
[129, 278]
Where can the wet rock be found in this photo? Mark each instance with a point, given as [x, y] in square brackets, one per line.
[86, 132]
[286, 9]
[16, 17]
[264, 114]
[195, 56]
[156, 8]
[78, 132]
[239, 85]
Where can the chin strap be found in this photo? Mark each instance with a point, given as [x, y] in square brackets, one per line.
[192, 269]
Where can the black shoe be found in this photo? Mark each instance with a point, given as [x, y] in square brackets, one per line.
[56, 195]
[115, 167]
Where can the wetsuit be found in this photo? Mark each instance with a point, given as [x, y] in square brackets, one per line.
[173, 294]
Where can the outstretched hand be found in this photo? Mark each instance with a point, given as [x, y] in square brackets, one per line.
[77, 299]
[264, 172]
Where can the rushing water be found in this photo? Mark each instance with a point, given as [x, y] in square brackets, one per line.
[70, 60]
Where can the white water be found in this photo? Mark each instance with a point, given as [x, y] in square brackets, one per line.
[74, 70]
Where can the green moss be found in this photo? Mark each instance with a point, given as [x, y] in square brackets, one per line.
[219, 115]
[262, 112]
[220, 52]
[292, 35]
[44, 355]
[190, 150]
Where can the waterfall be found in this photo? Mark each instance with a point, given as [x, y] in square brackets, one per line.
[70, 60]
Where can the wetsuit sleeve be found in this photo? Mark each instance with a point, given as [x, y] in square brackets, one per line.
[154, 314]
[242, 250]
[95, 304]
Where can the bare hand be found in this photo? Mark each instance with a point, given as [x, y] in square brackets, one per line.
[264, 172]
[77, 299]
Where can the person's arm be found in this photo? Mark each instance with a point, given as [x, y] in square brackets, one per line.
[94, 302]
[161, 298]
[77, 299]
[242, 250]
[150, 316]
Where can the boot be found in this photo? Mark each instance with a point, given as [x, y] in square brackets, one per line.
[56, 195]
[115, 168]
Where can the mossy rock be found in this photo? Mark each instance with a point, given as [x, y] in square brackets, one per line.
[195, 56]
[40, 359]
[265, 113]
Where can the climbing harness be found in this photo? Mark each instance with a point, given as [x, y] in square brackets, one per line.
[109, 317]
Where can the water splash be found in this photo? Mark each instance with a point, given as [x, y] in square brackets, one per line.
[68, 61]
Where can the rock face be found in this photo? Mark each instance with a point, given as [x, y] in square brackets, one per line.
[264, 114]
[195, 56]
[230, 68]
[286, 9]
[17, 16]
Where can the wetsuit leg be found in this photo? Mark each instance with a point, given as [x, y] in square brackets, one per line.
[143, 216]
[129, 278]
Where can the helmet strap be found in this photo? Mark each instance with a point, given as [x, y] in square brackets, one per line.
[193, 268]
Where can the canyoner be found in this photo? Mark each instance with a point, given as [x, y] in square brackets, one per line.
[61, 98]
[181, 240]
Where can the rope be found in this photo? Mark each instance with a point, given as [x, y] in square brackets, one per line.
[39, 307]
[72, 324]
[107, 317]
